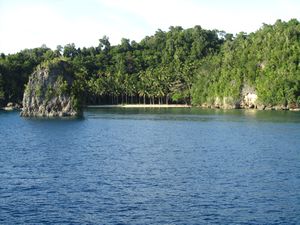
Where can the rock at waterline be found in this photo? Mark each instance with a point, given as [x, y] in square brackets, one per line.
[11, 106]
[48, 92]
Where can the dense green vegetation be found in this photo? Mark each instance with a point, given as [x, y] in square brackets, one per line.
[178, 66]
[267, 61]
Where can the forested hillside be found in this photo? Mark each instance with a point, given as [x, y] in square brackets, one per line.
[193, 66]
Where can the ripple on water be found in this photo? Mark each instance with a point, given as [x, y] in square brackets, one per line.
[170, 166]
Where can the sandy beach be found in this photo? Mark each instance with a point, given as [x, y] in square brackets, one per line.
[141, 106]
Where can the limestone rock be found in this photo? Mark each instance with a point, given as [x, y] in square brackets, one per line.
[248, 97]
[261, 107]
[225, 103]
[249, 100]
[11, 106]
[48, 92]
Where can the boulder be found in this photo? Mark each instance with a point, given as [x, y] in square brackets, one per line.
[261, 107]
[48, 92]
[10, 104]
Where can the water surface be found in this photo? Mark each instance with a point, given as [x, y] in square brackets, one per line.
[151, 166]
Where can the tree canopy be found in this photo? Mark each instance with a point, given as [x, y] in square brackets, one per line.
[193, 66]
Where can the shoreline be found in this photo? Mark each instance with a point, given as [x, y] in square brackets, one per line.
[7, 109]
[180, 106]
[140, 106]
[162, 106]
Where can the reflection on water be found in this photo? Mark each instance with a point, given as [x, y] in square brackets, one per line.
[194, 114]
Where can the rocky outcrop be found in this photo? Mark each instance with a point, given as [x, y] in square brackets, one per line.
[248, 97]
[249, 100]
[225, 103]
[246, 100]
[48, 92]
[12, 106]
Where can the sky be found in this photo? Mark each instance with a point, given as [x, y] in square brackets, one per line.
[32, 23]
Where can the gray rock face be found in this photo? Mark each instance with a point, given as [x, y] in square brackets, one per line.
[48, 93]
[246, 100]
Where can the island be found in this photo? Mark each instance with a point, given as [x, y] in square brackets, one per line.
[49, 91]
[193, 67]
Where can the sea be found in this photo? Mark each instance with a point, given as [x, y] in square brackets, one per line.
[151, 166]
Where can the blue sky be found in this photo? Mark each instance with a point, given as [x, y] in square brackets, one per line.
[31, 23]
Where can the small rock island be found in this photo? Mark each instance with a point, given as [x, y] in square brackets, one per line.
[49, 91]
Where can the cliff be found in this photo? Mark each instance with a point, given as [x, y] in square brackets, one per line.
[49, 91]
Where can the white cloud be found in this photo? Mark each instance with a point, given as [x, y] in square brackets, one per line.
[231, 16]
[31, 23]
[28, 26]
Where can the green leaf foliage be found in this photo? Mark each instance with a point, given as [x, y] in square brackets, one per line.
[193, 66]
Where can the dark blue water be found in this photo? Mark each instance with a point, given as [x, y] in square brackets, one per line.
[125, 166]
